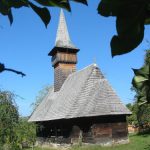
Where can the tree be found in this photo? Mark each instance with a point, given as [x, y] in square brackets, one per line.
[143, 115]
[132, 119]
[26, 132]
[140, 114]
[14, 130]
[41, 95]
[141, 81]
[8, 118]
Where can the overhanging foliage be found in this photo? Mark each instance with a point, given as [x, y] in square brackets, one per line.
[6, 7]
[131, 16]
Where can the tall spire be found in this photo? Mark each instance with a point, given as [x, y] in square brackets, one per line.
[62, 38]
[64, 54]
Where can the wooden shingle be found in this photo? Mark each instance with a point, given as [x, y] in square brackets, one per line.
[84, 93]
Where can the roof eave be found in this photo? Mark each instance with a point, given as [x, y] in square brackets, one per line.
[114, 114]
[62, 49]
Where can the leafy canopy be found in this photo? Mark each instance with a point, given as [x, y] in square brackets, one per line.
[14, 130]
[7, 5]
[140, 114]
[41, 95]
[131, 16]
[8, 118]
[141, 81]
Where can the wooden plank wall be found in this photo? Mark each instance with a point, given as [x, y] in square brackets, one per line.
[93, 130]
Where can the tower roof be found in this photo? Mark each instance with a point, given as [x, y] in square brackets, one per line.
[63, 41]
[62, 37]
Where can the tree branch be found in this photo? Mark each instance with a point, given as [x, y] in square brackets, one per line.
[2, 68]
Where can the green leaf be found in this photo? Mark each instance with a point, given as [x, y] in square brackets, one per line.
[55, 3]
[81, 1]
[144, 71]
[18, 3]
[137, 85]
[4, 8]
[141, 101]
[130, 33]
[144, 90]
[113, 7]
[147, 16]
[139, 79]
[141, 82]
[43, 13]
[10, 17]
[144, 96]
[129, 24]
[125, 44]
[147, 21]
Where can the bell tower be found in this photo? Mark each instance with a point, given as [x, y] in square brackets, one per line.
[64, 54]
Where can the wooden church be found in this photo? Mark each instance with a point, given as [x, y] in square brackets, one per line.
[81, 105]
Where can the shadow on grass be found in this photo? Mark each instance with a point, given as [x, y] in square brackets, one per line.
[147, 148]
[144, 134]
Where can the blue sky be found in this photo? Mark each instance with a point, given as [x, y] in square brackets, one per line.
[24, 46]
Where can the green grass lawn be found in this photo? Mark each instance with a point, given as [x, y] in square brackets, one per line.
[137, 142]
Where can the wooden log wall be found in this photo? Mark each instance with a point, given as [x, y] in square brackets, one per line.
[97, 130]
[62, 57]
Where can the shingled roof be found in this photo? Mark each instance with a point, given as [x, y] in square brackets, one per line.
[63, 38]
[85, 93]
